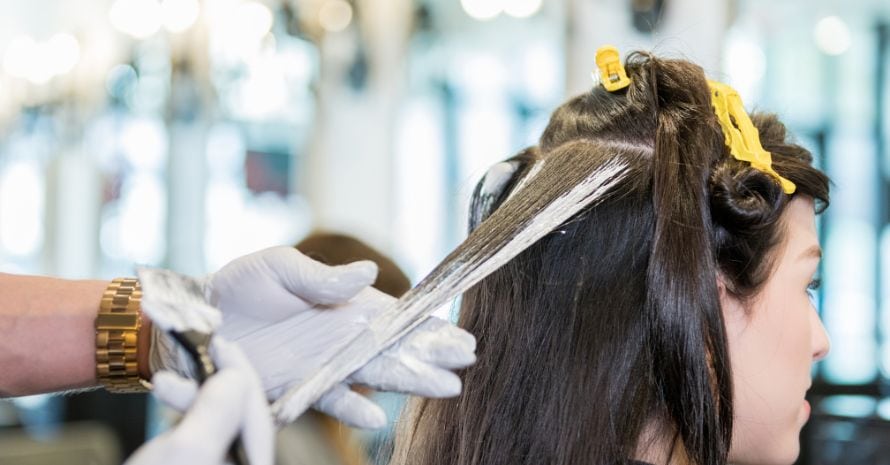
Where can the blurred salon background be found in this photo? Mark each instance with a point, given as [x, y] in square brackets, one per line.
[184, 133]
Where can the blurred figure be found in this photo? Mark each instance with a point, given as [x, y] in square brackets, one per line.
[317, 439]
[340, 249]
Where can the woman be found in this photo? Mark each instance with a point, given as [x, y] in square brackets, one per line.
[669, 324]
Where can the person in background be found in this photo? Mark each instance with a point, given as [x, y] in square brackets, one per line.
[318, 439]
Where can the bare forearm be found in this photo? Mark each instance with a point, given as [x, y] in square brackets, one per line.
[47, 335]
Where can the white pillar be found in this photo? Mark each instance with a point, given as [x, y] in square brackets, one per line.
[74, 197]
[186, 179]
[189, 111]
[348, 173]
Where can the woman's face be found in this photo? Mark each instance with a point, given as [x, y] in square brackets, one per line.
[773, 342]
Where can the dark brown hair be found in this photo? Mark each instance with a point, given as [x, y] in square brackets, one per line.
[612, 323]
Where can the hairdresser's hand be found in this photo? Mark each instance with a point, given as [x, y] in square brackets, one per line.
[291, 314]
[418, 364]
[230, 402]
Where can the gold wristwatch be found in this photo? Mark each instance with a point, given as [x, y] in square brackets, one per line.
[117, 331]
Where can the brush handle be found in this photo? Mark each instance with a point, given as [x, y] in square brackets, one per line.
[197, 345]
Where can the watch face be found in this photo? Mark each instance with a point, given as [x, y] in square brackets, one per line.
[118, 321]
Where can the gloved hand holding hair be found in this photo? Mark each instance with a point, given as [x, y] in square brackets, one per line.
[290, 314]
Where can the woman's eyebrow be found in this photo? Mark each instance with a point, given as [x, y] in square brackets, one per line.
[813, 252]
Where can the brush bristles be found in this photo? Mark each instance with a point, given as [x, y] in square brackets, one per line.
[563, 187]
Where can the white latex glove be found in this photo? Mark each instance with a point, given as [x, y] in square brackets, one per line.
[229, 402]
[290, 314]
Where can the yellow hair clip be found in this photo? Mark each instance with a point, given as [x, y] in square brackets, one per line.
[741, 135]
[612, 74]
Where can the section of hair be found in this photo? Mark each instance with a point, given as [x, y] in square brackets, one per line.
[611, 324]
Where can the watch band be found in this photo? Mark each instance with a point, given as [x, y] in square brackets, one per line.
[117, 331]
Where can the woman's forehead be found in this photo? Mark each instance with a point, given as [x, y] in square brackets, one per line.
[802, 238]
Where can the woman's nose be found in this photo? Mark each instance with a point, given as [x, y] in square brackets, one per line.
[821, 343]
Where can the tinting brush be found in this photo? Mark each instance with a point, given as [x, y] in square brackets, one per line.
[175, 303]
[558, 187]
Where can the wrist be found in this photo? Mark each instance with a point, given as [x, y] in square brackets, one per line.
[143, 348]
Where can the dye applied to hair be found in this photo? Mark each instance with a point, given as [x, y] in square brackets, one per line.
[563, 187]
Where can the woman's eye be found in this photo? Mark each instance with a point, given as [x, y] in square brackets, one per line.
[813, 289]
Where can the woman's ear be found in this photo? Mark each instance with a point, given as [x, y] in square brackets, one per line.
[721, 284]
[732, 306]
